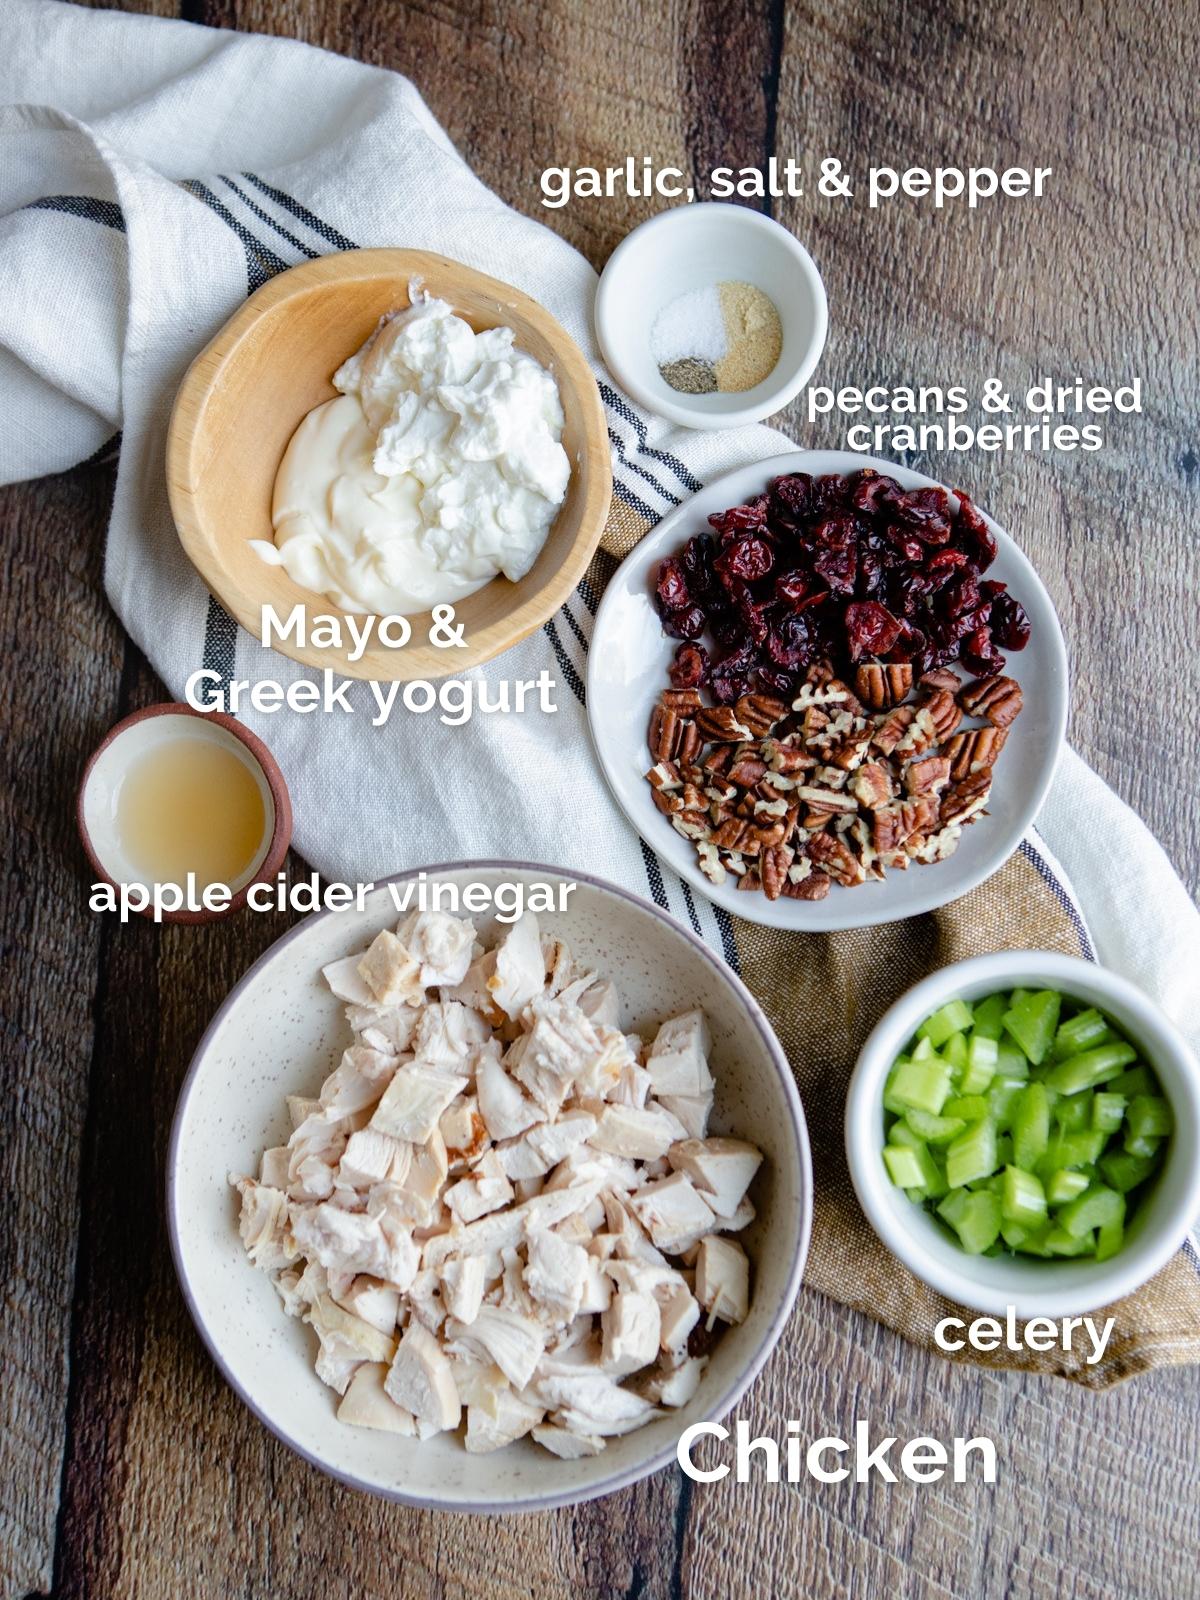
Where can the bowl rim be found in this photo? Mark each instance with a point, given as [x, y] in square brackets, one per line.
[678, 411]
[281, 831]
[628, 1475]
[850, 911]
[1155, 1034]
[185, 463]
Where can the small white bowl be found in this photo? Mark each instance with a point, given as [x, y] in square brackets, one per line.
[690, 248]
[1033, 1287]
[281, 1032]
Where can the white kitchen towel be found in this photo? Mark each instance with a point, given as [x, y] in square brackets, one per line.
[152, 173]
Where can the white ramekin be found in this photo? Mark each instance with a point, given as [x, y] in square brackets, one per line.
[689, 248]
[1032, 1287]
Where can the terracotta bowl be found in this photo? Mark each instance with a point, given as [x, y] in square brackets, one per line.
[96, 807]
[245, 394]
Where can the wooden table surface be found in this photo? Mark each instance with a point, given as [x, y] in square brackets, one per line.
[126, 1467]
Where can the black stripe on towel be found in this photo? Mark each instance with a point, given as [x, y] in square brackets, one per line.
[220, 641]
[323, 230]
[261, 263]
[106, 212]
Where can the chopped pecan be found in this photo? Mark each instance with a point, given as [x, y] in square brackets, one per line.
[929, 775]
[872, 785]
[999, 700]
[965, 800]
[683, 701]
[974, 750]
[945, 711]
[892, 728]
[834, 856]
[731, 834]
[814, 887]
[813, 724]
[941, 678]
[786, 758]
[750, 879]
[883, 684]
[852, 751]
[665, 775]
[893, 824]
[921, 734]
[668, 801]
[760, 712]
[774, 865]
[746, 771]
[721, 725]
[935, 847]
[828, 802]
[664, 733]
[770, 834]
[717, 759]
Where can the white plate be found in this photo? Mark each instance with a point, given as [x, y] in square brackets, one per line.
[281, 1032]
[627, 669]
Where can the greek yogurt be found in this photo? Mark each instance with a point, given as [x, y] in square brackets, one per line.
[439, 465]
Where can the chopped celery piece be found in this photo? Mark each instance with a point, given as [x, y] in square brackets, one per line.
[1138, 1080]
[1109, 1239]
[901, 1132]
[1080, 1032]
[1004, 1150]
[922, 1085]
[1081, 1149]
[1090, 1067]
[1011, 1062]
[1030, 1126]
[1014, 1234]
[904, 1168]
[955, 1051]
[934, 1130]
[1073, 1112]
[1108, 1111]
[953, 1207]
[1065, 1185]
[1093, 1209]
[953, 1017]
[979, 1225]
[1141, 1145]
[972, 1155]
[1034, 1242]
[1149, 1116]
[890, 1103]
[1124, 1172]
[1032, 1020]
[1001, 1099]
[968, 1106]
[923, 1050]
[989, 1016]
[1022, 1198]
[980, 1069]
[1061, 1243]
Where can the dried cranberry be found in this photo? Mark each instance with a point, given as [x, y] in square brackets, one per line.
[790, 644]
[836, 533]
[747, 559]
[839, 568]
[910, 643]
[870, 573]
[691, 666]
[871, 629]
[829, 493]
[943, 565]
[731, 676]
[980, 656]
[672, 588]
[871, 490]
[926, 512]
[1010, 624]
[741, 519]
[728, 630]
[792, 587]
[685, 624]
[960, 594]
[775, 680]
[973, 535]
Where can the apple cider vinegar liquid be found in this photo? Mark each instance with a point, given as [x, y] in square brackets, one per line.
[190, 805]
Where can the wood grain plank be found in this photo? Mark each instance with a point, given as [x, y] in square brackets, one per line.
[63, 651]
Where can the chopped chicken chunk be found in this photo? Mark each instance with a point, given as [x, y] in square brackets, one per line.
[390, 973]
[414, 1101]
[366, 1404]
[720, 1168]
[421, 1380]
[723, 1279]
[519, 973]
[503, 1215]
[678, 1059]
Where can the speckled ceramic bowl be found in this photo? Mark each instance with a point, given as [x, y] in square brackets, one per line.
[281, 1032]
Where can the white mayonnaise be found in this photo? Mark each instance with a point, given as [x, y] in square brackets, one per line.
[440, 465]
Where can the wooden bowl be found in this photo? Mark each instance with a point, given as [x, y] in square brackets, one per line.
[246, 392]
